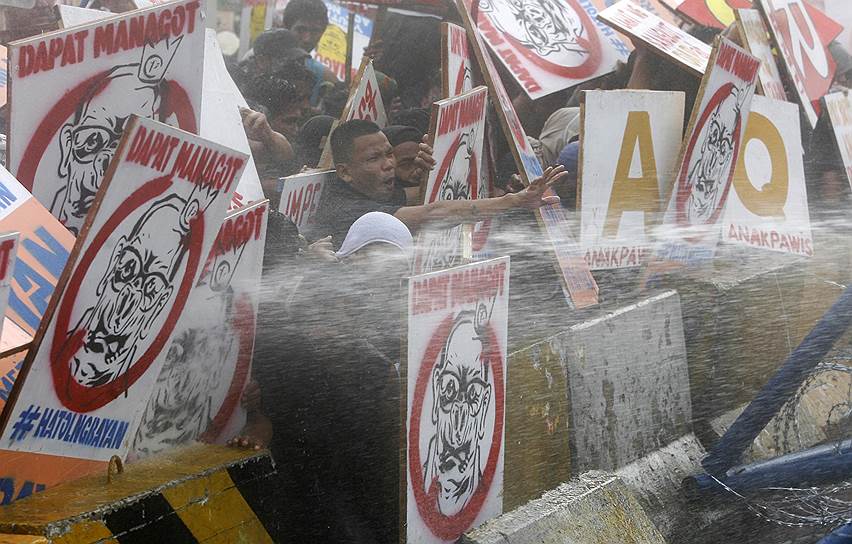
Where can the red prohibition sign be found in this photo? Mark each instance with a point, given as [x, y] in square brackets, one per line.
[683, 188]
[591, 43]
[80, 398]
[243, 324]
[175, 101]
[452, 527]
[472, 174]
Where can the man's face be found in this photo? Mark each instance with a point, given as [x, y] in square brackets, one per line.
[404, 154]
[371, 168]
[461, 397]
[309, 33]
[134, 291]
[288, 121]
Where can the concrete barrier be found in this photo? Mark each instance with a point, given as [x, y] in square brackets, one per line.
[740, 319]
[200, 493]
[595, 508]
[598, 395]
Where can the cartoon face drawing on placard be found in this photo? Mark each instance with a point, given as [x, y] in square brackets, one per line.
[460, 179]
[461, 396]
[138, 283]
[558, 31]
[89, 138]
[712, 157]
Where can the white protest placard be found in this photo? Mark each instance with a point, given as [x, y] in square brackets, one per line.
[629, 144]
[208, 363]
[8, 254]
[802, 34]
[364, 102]
[578, 285]
[839, 106]
[547, 45]
[72, 91]
[456, 64]
[300, 196]
[221, 121]
[70, 16]
[458, 130]
[455, 403]
[768, 203]
[660, 36]
[708, 155]
[95, 357]
[755, 39]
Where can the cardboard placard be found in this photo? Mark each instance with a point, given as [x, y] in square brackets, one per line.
[839, 106]
[755, 38]
[221, 121]
[23, 473]
[662, 37]
[547, 45]
[332, 47]
[456, 64]
[709, 155]
[364, 102]
[95, 357]
[456, 364]
[71, 16]
[72, 91]
[802, 34]
[768, 204]
[300, 196]
[457, 133]
[8, 255]
[43, 249]
[208, 363]
[620, 199]
[718, 14]
[578, 285]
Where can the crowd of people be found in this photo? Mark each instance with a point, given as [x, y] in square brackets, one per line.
[326, 390]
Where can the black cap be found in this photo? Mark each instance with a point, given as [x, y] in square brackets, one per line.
[400, 134]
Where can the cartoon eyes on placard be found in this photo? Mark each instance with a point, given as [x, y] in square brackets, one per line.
[454, 391]
[89, 140]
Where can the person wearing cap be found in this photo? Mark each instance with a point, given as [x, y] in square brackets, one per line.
[366, 181]
[312, 138]
[405, 141]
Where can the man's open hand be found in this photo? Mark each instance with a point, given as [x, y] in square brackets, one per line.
[538, 192]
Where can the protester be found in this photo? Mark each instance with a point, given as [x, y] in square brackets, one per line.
[312, 139]
[308, 20]
[406, 145]
[366, 182]
[273, 50]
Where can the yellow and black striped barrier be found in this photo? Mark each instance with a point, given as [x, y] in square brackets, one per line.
[201, 493]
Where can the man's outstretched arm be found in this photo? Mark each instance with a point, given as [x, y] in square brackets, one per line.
[454, 212]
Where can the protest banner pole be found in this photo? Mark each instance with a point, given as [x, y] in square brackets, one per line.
[350, 40]
[781, 387]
